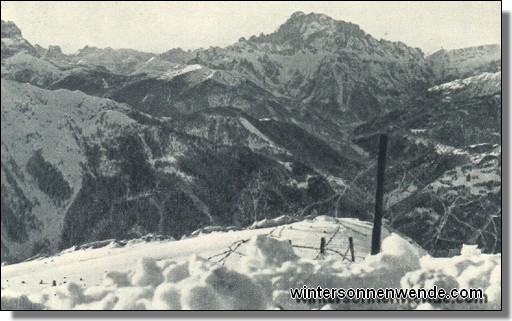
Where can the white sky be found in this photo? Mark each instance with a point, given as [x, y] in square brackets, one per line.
[160, 26]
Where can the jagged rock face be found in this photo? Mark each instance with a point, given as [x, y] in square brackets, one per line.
[13, 42]
[327, 76]
[54, 53]
[312, 61]
[115, 143]
[10, 30]
[315, 60]
[312, 30]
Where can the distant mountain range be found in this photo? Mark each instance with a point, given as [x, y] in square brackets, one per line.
[110, 143]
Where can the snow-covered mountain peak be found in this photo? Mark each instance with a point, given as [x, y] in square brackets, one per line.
[309, 83]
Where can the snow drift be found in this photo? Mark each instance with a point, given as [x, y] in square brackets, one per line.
[270, 267]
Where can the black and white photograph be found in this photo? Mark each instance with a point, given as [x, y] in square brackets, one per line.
[252, 156]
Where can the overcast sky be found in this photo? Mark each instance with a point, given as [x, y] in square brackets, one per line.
[160, 26]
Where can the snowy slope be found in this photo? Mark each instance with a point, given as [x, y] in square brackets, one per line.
[249, 269]
[117, 258]
[26, 68]
[485, 84]
[56, 124]
[465, 62]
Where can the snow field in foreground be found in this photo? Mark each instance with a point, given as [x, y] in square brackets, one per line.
[264, 276]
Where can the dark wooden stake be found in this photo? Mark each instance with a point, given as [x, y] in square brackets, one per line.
[351, 247]
[379, 198]
[322, 245]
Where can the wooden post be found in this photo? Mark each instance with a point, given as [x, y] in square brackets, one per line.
[379, 198]
[322, 245]
[351, 247]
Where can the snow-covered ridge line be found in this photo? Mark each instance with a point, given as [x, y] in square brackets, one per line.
[179, 70]
[260, 267]
[487, 84]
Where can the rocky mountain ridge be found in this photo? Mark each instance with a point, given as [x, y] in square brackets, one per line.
[284, 123]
